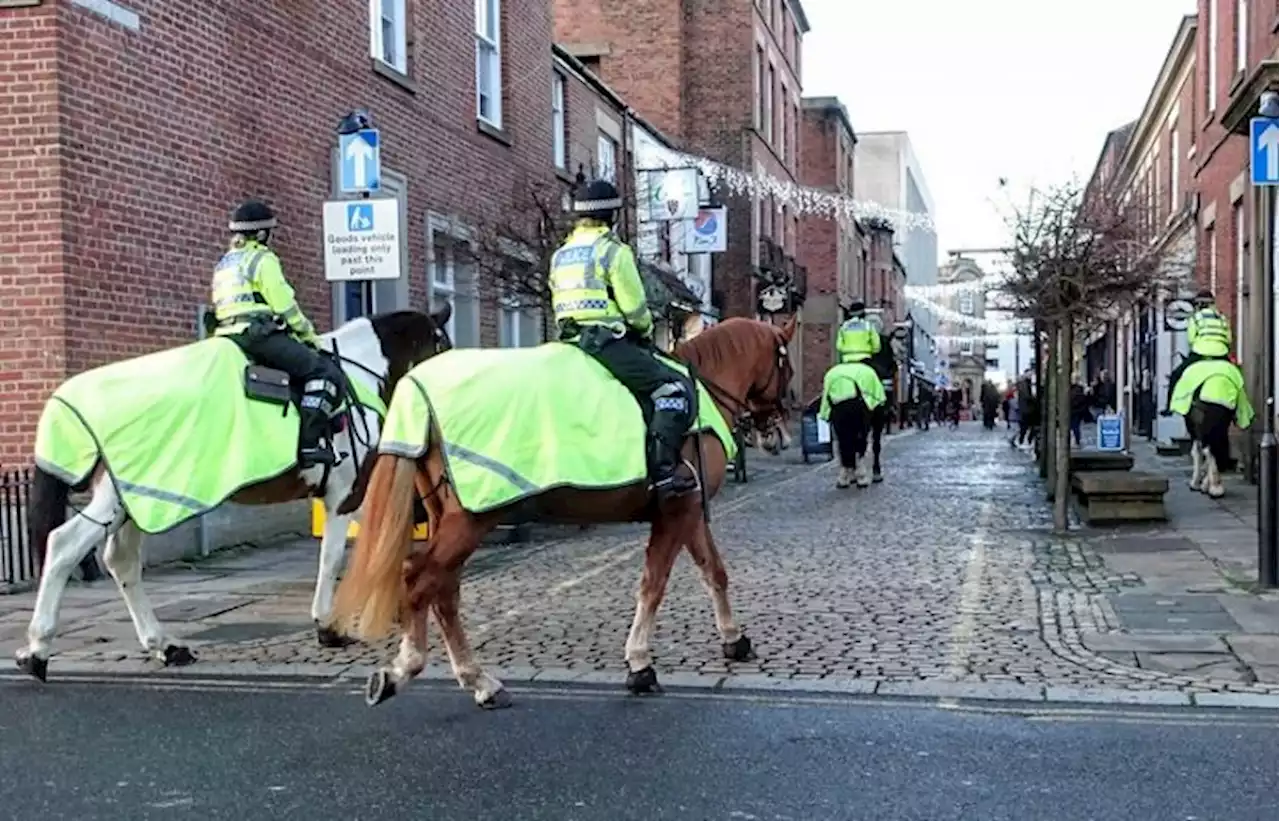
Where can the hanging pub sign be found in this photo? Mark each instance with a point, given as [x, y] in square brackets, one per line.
[773, 299]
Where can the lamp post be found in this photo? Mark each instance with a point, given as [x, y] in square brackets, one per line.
[1268, 530]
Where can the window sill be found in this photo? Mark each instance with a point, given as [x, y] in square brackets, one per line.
[493, 132]
[1235, 83]
[564, 176]
[393, 74]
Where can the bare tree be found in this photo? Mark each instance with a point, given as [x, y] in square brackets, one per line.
[513, 251]
[1078, 255]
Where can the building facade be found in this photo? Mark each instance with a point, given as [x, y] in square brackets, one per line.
[887, 172]
[963, 348]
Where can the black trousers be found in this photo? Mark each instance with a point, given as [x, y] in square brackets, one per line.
[278, 349]
[657, 387]
[851, 423]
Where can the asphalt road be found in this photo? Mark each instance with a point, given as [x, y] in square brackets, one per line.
[105, 751]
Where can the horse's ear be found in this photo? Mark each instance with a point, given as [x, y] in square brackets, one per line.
[789, 329]
[441, 317]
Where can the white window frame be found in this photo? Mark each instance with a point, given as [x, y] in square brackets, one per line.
[392, 12]
[770, 79]
[1213, 258]
[442, 281]
[489, 50]
[513, 318]
[1175, 190]
[606, 157]
[1242, 274]
[1242, 35]
[1211, 76]
[966, 304]
[559, 143]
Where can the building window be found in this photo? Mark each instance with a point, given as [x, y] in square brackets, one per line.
[1242, 35]
[489, 62]
[759, 90]
[388, 33]
[1213, 259]
[453, 280]
[1175, 185]
[1211, 76]
[607, 158]
[558, 132]
[966, 347]
[519, 326]
[1242, 252]
[770, 128]
[786, 122]
[966, 304]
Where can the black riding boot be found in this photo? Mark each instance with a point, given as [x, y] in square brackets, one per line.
[670, 478]
[313, 447]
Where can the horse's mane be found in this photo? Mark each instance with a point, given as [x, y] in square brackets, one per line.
[728, 344]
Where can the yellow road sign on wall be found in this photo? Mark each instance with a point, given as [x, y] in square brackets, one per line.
[353, 529]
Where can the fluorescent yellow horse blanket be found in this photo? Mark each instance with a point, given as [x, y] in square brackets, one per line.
[845, 381]
[174, 429]
[518, 422]
[1220, 382]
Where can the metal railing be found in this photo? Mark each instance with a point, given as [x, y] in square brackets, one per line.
[17, 559]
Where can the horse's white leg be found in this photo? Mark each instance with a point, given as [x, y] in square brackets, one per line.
[67, 546]
[1213, 481]
[487, 690]
[715, 579]
[784, 435]
[123, 558]
[1197, 466]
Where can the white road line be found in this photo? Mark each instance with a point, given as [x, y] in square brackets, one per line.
[970, 606]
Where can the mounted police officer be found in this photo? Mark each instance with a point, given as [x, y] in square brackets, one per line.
[600, 305]
[858, 338]
[1208, 336]
[254, 305]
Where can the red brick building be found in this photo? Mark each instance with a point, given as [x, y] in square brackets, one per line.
[832, 251]
[128, 129]
[722, 79]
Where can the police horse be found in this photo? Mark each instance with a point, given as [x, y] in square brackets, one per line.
[885, 365]
[1210, 395]
[439, 447]
[160, 439]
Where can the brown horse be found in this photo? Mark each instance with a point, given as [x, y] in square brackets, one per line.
[743, 363]
[376, 351]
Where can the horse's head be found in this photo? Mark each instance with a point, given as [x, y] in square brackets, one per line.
[407, 338]
[746, 367]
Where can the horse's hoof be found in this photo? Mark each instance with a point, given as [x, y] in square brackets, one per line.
[496, 701]
[379, 688]
[877, 477]
[33, 666]
[643, 682]
[328, 637]
[175, 655]
[739, 650]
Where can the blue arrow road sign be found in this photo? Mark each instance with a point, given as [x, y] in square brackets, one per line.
[361, 161]
[1264, 151]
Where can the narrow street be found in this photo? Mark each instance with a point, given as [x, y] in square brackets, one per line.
[130, 753]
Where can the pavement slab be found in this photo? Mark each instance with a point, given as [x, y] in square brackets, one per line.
[944, 579]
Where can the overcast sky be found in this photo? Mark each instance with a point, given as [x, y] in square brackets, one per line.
[1022, 89]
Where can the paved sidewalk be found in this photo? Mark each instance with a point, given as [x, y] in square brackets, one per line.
[944, 581]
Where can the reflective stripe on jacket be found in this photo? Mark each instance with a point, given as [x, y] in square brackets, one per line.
[249, 284]
[594, 281]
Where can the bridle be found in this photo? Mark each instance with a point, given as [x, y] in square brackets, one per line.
[755, 410]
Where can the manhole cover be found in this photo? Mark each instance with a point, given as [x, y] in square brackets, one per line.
[1144, 611]
[197, 609]
[247, 631]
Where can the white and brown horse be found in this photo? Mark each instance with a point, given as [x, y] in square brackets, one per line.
[376, 350]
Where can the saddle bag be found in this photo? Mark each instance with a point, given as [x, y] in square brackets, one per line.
[267, 385]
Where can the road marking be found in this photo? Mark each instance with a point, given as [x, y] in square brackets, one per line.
[965, 629]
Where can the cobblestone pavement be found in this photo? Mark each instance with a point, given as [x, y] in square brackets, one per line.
[941, 578]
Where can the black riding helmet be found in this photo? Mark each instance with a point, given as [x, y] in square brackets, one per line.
[598, 200]
[252, 216]
[1204, 297]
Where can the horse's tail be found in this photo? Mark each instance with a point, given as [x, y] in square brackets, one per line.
[46, 510]
[369, 599]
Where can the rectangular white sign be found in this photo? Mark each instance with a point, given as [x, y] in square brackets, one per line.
[707, 232]
[362, 239]
[672, 194]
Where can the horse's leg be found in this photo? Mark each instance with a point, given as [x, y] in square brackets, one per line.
[333, 546]
[409, 661]
[1218, 451]
[123, 558]
[487, 690]
[659, 556]
[67, 546]
[702, 548]
[877, 431]
[862, 431]
[1197, 465]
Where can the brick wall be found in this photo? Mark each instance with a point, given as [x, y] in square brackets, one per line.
[32, 287]
[162, 129]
